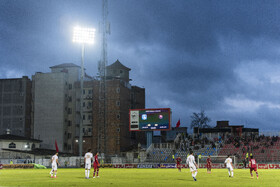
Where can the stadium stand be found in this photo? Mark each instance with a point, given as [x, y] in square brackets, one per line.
[264, 148]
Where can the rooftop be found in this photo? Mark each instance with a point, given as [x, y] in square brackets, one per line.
[15, 137]
[65, 65]
[118, 65]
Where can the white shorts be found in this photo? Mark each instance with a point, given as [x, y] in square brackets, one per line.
[54, 167]
[87, 165]
[230, 168]
[192, 168]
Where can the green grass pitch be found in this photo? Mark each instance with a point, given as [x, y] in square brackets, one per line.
[137, 177]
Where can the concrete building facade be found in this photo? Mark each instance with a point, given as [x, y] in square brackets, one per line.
[114, 137]
[15, 106]
[57, 110]
[54, 106]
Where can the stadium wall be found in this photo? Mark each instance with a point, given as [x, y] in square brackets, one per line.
[75, 162]
[214, 166]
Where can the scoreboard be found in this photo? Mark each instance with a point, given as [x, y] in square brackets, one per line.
[157, 119]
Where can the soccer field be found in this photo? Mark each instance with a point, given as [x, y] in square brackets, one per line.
[137, 177]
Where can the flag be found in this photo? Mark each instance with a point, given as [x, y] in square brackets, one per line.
[56, 147]
[178, 124]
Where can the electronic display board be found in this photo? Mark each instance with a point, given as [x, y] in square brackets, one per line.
[157, 119]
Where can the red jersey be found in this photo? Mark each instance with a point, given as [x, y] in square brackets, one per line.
[253, 163]
[179, 160]
[208, 160]
[96, 160]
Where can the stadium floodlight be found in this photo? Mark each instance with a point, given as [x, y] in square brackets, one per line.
[83, 35]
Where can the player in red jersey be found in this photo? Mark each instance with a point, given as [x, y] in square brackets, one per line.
[253, 166]
[209, 164]
[96, 165]
[179, 165]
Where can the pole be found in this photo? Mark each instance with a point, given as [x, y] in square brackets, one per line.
[81, 104]
[149, 135]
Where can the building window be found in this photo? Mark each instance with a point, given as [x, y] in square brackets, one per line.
[118, 90]
[84, 117]
[69, 123]
[84, 104]
[121, 71]
[89, 91]
[89, 117]
[69, 111]
[118, 103]
[27, 145]
[118, 130]
[70, 86]
[84, 92]
[118, 116]
[12, 145]
[69, 135]
[70, 98]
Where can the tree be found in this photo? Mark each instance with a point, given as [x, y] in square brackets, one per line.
[200, 120]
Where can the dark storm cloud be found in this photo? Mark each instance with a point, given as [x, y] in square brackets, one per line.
[221, 56]
[195, 48]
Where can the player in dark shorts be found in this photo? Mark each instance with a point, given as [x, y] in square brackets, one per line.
[253, 166]
[96, 165]
[209, 164]
[179, 165]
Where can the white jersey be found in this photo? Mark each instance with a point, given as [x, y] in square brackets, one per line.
[228, 161]
[88, 157]
[54, 158]
[190, 160]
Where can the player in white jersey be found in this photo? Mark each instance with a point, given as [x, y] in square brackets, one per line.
[192, 165]
[54, 162]
[229, 166]
[88, 159]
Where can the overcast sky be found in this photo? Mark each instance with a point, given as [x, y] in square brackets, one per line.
[219, 56]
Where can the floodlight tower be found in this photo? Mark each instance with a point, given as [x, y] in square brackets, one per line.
[82, 36]
[102, 122]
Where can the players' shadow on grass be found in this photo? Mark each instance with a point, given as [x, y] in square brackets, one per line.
[184, 180]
